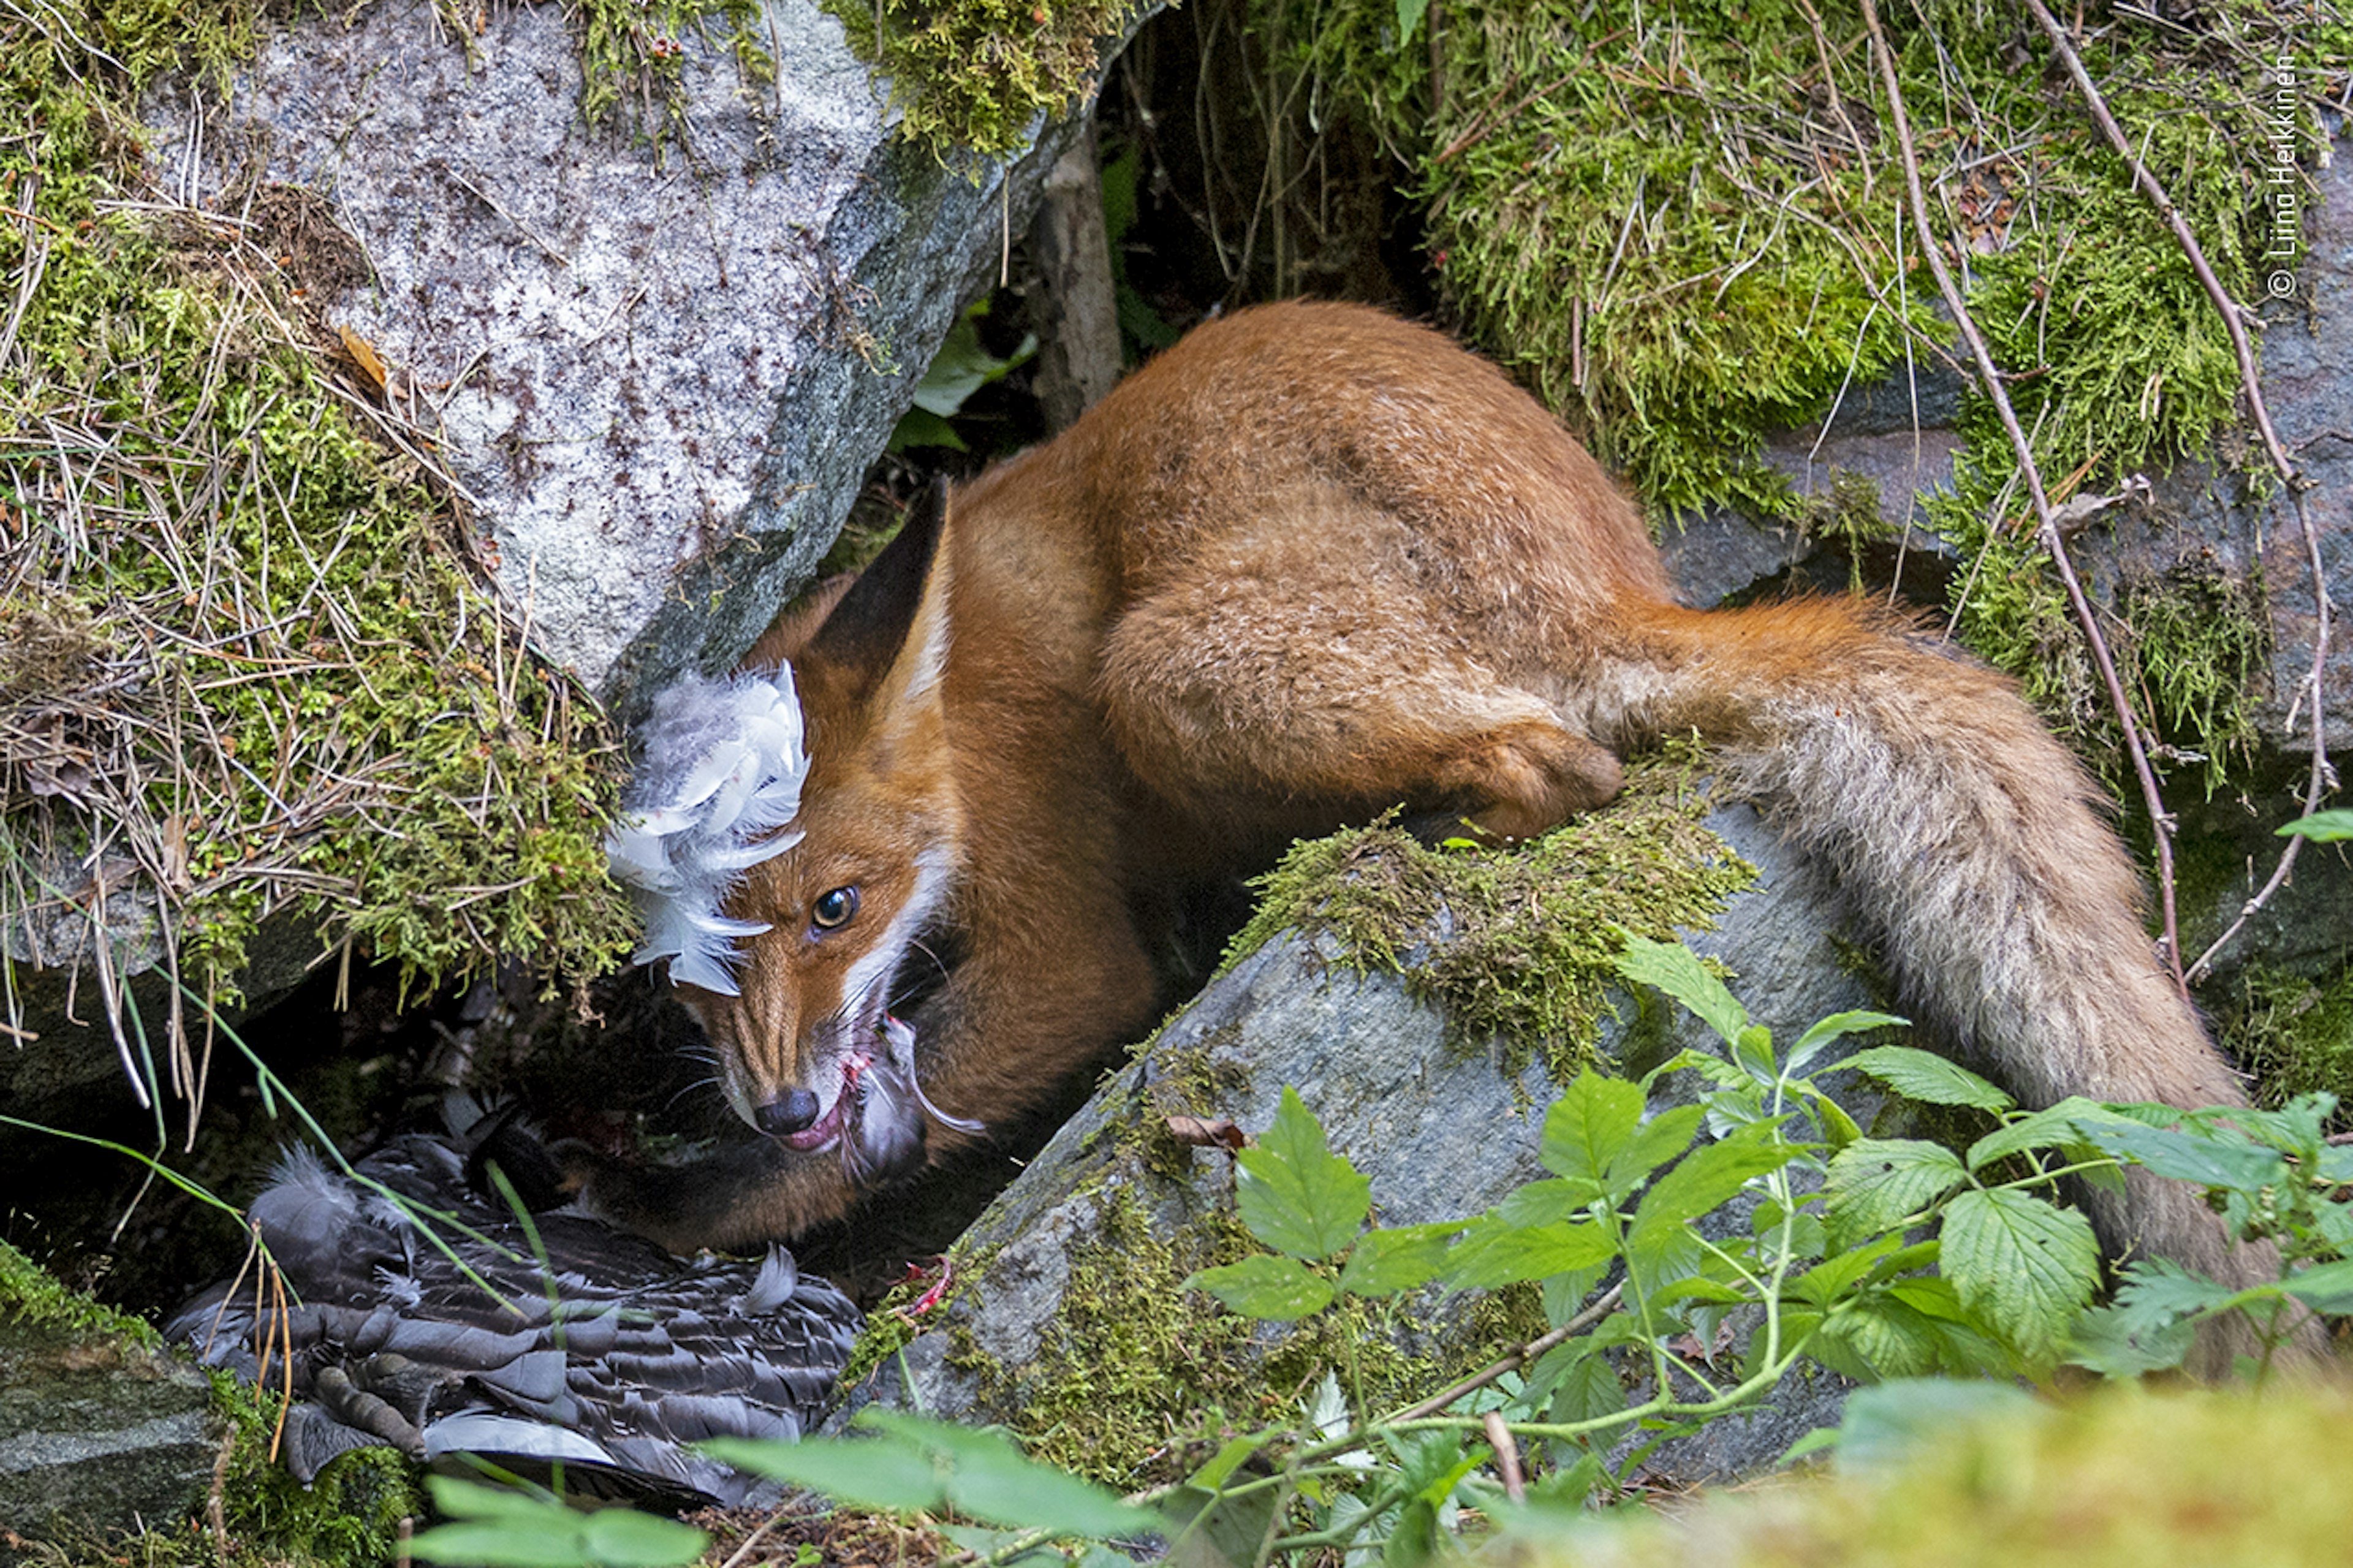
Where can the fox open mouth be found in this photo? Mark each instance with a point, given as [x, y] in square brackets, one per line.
[841, 1114]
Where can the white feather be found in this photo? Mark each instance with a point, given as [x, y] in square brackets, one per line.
[718, 774]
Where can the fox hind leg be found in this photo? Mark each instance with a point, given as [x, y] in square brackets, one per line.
[1313, 696]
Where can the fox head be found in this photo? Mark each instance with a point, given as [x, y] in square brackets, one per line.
[809, 1050]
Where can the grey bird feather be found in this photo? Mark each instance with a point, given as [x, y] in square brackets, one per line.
[610, 1359]
[719, 773]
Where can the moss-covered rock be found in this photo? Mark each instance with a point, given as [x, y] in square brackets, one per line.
[1421, 1001]
[113, 1449]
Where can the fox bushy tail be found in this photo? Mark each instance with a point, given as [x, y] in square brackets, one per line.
[1967, 841]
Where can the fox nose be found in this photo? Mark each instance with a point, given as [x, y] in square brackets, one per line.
[795, 1112]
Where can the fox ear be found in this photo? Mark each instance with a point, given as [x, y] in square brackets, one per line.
[893, 621]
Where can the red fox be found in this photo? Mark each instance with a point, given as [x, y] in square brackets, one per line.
[1312, 563]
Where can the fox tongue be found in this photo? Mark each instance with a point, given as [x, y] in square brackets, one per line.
[842, 1111]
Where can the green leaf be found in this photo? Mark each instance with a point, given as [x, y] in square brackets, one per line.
[1829, 1280]
[1295, 1194]
[1929, 1078]
[1676, 970]
[1658, 1141]
[2024, 1265]
[2052, 1128]
[1408, 20]
[461, 1498]
[501, 1527]
[2323, 1288]
[1590, 1124]
[620, 1538]
[501, 1544]
[1226, 1461]
[1493, 1253]
[1710, 1174]
[1384, 1262]
[1277, 1289]
[2321, 827]
[2115, 1344]
[2151, 1325]
[991, 1479]
[2210, 1157]
[862, 1472]
[1837, 1025]
[1897, 1420]
[1874, 1183]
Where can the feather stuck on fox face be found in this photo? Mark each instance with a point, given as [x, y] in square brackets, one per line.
[714, 793]
[718, 780]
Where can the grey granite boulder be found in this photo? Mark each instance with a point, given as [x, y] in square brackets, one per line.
[658, 358]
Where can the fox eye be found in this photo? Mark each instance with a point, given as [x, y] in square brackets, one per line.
[833, 909]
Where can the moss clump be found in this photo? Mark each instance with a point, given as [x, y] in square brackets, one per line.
[2192, 644]
[1527, 935]
[275, 683]
[975, 75]
[2296, 1034]
[1680, 251]
[1135, 1372]
[351, 1514]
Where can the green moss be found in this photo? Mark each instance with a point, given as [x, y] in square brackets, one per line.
[1681, 251]
[2296, 1034]
[28, 1294]
[975, 75]
[283, 687]
[1136, 1371]
[351, 1514]
[1531, 933]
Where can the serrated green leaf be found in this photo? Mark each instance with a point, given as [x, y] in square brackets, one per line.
[2022, 1265]
[2211, 1157]
[1837, 1027]
[863, 1472]
[1293, 1193]
[2323, 1288]
[1827, 1281]
[1929, 1078]
[1589, 1126]
[1408, 20]
[1655, 1143]
[2052, 1128]
[1493, 1253]
[1838, 1128]
[2151, 1325]
[1712, 1173]
[1386, 1261]
[1874, 1183]
[1674, 969]
[1276, 1290]
[1545, 1202]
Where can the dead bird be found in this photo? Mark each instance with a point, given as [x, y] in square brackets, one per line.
[537, 1341]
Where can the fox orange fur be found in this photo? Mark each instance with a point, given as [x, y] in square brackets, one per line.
[1312, 563]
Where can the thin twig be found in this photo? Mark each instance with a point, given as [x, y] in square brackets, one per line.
[2046, 524]
[2233, 314]
[1512, 1361]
